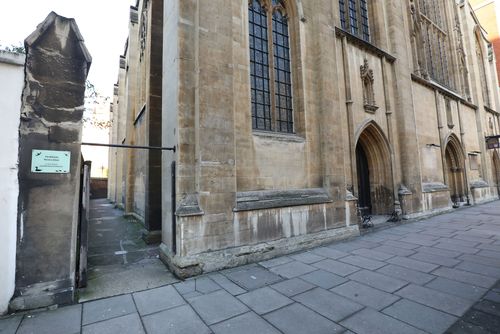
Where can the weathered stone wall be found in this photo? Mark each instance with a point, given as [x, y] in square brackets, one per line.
[57, 64]
[11, 86]
[138, 120]
[406, 128]
[170, 109]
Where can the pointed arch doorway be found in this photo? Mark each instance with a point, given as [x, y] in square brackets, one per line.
[374, 172]
[455, 170]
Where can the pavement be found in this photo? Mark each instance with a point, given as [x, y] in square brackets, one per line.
[438, 275]
[119, 261]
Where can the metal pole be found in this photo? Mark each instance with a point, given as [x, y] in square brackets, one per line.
[132, 146]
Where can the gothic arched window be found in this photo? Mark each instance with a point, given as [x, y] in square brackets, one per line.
[430, 24]
[354, 18]
[482, 70]
[270, 66]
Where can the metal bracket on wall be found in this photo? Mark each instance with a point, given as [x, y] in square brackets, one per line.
[132, 146]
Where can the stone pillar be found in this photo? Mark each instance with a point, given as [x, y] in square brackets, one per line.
[57, 65]
[153, 214]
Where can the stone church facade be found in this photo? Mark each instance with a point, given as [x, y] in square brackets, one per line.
[291, 118]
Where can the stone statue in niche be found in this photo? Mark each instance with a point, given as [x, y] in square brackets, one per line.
[417, 41]
[367, 79]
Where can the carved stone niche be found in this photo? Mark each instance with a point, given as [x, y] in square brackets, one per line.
[367, 80]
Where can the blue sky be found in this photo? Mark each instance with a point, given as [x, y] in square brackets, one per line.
[103, 24]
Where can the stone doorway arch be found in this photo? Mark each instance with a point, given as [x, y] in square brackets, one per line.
[374, 171]
[455, 169]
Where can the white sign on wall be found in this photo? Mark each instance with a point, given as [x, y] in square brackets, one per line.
[56, 162]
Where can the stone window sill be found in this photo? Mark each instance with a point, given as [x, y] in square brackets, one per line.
[278, 136]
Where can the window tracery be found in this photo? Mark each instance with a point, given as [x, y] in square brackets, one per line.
[482, 70]
[431, 41]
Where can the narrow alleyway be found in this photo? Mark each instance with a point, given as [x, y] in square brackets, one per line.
[421, 277]
[119, 261]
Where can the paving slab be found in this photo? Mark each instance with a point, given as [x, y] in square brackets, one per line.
[365, 295]
[378, 281]
[264, 300]
[478, 268]
[329, 252]
[401, 244]
[336, 267]
[292, 287]
[406, 274]
[179, 320]
[369, 321]
[205, 285]
[372, 254]
[226, 284]
[457, 248]
[489, 253]
[248, 323]
[467, 291]
[350, 246]
[107, 308]
[481, 240]
[158, 299]
[329, 305]
[413, 264]
[441, 301]
[297, 319]
[127, 324]
[420, 316]
[465, 277]
[323, 279]
[438, 232]
[460, 242]
[186, 286]
[292, 269]
[435, 259]
[307, 257]
[391, 250]
[495, 247]
[488, 261]
[217, 306]
[64, 320]
[251, 278]
[420, 240]
[439, 251]
[9, 325]
[362, 262]
[493, 296]
[275, 262]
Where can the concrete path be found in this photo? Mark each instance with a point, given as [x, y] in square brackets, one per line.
[420, 277]
[119, 261]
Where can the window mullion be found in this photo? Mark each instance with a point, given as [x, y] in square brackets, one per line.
[272, 83]
[360, 19]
